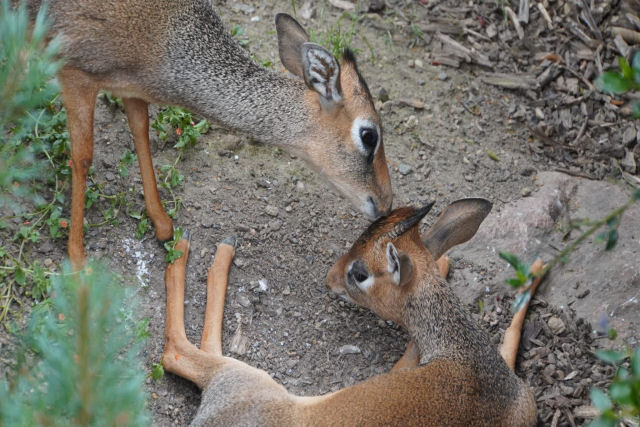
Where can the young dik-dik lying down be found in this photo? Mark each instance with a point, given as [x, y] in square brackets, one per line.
[461, 380]
[178, 52]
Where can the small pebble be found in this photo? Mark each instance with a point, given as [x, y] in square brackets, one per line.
[383, 95]
[443, 76]
[556, 325]
[405, 169]
[349, 349]
[244, 301]
[271, 210]
[526, 192]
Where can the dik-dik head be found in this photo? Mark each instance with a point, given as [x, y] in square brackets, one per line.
[344, 138]
[390, 259]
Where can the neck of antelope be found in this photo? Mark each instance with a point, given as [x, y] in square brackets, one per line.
[227, 87]
[441, 326]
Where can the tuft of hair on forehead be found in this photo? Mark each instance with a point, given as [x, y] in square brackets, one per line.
[349, 60]
[384, 225]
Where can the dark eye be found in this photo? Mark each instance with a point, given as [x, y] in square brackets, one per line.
[359, 272]
[369, 138]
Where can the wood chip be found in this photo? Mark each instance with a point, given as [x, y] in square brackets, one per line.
[621, 45]
[587, 412]
[416, 103]
[510, 81]
[514, 19]
[446, 26]
[630, 36]
[634, 20]
[342, 4]
[523, 11]
[577, 31]
[469, 55]
[545, 15]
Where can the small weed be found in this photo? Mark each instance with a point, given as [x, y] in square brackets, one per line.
[125, 161]
[157, 372]
[237, 32]
[173, 253]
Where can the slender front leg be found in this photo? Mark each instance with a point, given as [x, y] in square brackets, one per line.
[79, 95]
[138, 116]
[216, 290]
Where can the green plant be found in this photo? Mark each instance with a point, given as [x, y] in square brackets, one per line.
[623, 400]
[80, 363]
[170, 246]
[623, 80]
[27, 65]
[237, 32]
[335, 37]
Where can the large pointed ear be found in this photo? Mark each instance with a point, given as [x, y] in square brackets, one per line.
[321, 73]
[455, 225]
[310, 61]
[399, 265]
[291, 37]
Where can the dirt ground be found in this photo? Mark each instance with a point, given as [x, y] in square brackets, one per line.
[278, 311]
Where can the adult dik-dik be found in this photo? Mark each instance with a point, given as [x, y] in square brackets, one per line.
[179, 52]
[460, 381]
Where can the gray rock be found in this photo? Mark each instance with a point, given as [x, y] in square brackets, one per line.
[110, 176]
[405, 169]
[531, 228]
[271, 210]
[443, 76]
[243, 300]
[629, 136]
[349, 349]
[383, 95]
[275, 225]
[628, 163]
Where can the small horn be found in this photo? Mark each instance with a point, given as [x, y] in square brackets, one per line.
[406, 224]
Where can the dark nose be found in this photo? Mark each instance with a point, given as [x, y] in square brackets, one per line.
[380, 209]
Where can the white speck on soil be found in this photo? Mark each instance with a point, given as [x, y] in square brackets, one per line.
[143, 258]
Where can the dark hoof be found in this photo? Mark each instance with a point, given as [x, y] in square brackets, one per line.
[231, 241]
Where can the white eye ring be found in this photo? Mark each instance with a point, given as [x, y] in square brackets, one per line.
[357, 125]
[365, 284]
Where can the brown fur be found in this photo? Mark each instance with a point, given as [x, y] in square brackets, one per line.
[461, 380]
[178, 52]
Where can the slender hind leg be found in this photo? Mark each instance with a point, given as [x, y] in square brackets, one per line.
[180, 356]
[411, 356]
[138, 116]
[79, 95]
[216, 290]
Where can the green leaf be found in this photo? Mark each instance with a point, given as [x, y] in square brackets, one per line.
[511, 258]
[627, 73]
[600, 400]
[612, 333]
[636, 106]
[635, 62]
[635, 362]
[157, 371]
[621, 393]
[612, 239]
[602, 422]
[521, 300]
[613, 82]
[610, 356]
[20, 276]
